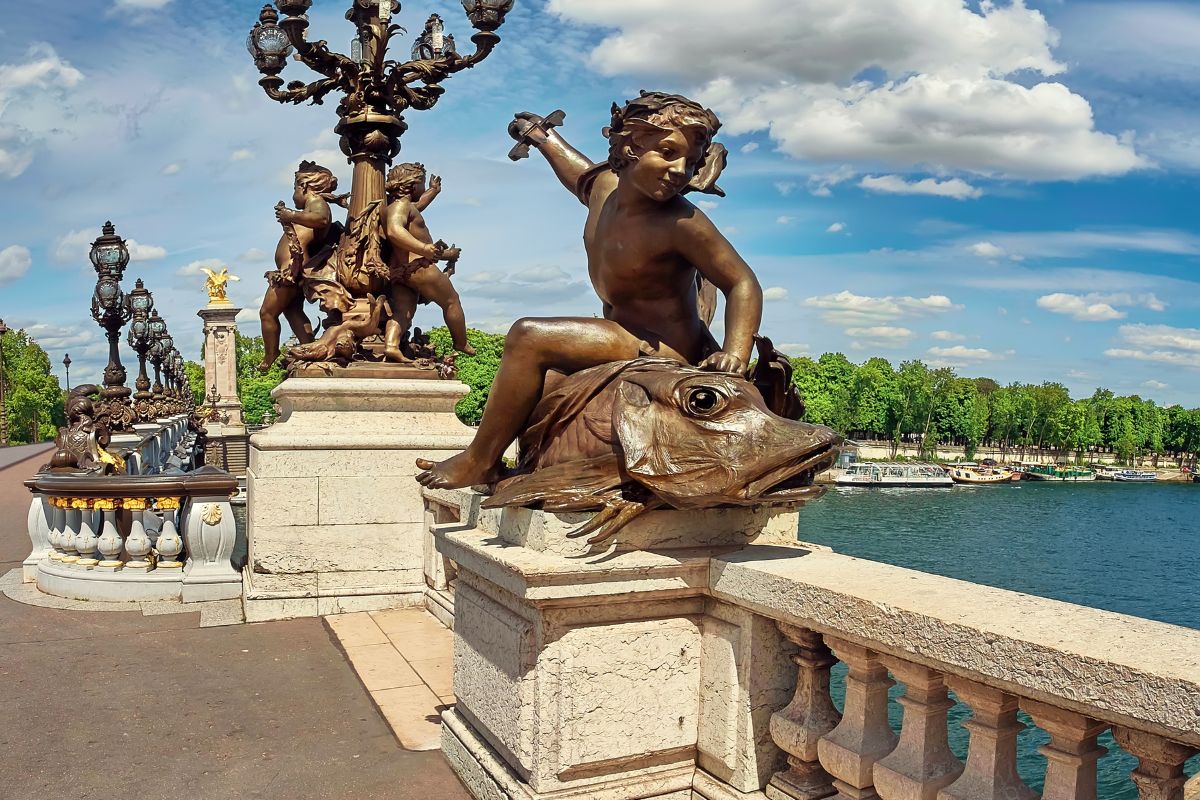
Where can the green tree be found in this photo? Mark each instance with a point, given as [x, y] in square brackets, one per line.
[254, 388]
[33, 398]
[195, 378]
[477, 371]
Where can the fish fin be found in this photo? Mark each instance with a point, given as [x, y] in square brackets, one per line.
[569, 486]
[609, 522]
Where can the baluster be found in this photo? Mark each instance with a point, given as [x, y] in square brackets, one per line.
[109, 544]
[991, 769]
[1072, 753]
[76, 511]
[137, 543]
[797, 728]
[169, 543]
[1159, 774]
[922, 762]
[850, 750]
[85, 538]
[58, 525]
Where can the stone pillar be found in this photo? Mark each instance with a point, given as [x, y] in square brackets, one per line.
[850, 750]
[809, 716]
[1159, 774]
[220, 366]
[1072, 753]
[335, 518]
[583, 675]
[922, 762]
[991, 768]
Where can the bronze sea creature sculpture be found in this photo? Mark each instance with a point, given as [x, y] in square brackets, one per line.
[629, 437]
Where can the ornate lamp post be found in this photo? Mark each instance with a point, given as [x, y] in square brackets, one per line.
[67, 367]
[111, 310]
[375, 94]
[141, 301]
[3, 386]
[158, 330]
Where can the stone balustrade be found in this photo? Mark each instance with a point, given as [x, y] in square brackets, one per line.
[693, 659]
[133, 537]
[1076, 672]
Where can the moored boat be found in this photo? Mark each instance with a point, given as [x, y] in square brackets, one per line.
[1135, 475]
[1057, 472]
[977, 475]
[1105, 472]
[911, 475]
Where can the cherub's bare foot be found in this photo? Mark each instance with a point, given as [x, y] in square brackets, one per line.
[265, 367]
[396, 354]
[466, 350]
[456, 472]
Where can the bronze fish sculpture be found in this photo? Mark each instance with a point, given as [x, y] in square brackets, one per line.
[628, 437]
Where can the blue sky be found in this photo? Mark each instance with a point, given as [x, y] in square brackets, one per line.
[1008, 188]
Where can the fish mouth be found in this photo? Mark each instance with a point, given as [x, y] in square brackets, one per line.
[793, 482]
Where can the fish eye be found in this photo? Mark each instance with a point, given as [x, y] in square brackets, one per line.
[703, 401]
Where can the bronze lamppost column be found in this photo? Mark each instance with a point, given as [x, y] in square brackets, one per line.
[110, 309]
[158, 351]
[376, 93]
[141, 301]
[67, 367]
[3, 388]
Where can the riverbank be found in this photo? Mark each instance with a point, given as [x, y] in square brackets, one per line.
[1164, 475]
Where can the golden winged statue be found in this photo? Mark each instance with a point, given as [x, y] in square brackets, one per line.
[216, 285]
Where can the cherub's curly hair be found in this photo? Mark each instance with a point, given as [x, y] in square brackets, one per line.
[656, 111]
[317, 178]
[403, 176]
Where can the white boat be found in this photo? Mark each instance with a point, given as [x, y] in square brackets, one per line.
[869, 473]
[1105, 472]
[1135, 475]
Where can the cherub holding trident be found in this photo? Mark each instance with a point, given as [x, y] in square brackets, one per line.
[645, 245]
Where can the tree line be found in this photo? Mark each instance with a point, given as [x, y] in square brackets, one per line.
[33, 399]
[913, 403]
[928, 406]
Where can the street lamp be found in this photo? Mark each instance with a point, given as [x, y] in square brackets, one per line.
[110, 309]
[141, 301]
[158, 330]
[67, 367]
[377, 92]
[3, 407]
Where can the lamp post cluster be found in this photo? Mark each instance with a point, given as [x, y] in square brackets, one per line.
[375, 92]
[112, 309]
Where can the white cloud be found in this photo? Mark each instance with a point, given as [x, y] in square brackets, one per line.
[1161, 344]
[73, 248]
[880, 332]
[783, 219]
[956, 188]
[172, 169]
[707, 205]
[56, 337]
[836, 227]
[847, 308]
[947, 336]
[1153, 384]
[944, 100]
[961, 354]
[139, 5]
[749, 147]
[242, 154]
[987, 250]
[14, 263]
[255, 256]
[250, 313]
[42, 78]
[774, 293]
[793, 349]
[197, 267]
[1097, 307]
[785, 187]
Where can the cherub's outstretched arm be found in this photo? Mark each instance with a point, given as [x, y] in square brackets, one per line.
[316, 214]
[567, 162]
[435, 188]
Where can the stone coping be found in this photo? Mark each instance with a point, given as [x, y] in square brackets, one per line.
[1117, 668]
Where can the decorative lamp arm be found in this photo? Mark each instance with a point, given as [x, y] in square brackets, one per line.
[297, 92]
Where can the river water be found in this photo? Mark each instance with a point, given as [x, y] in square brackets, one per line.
[1131, 548]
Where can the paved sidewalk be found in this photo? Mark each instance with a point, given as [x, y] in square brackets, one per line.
[98, 705]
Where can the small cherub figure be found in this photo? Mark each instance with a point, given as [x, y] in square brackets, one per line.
[350, 321]
[646, 246]
[308, 230]
[215, 284]
[414, 259]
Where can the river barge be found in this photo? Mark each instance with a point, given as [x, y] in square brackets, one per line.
[901, 475]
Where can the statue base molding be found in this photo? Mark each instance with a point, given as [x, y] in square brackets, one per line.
[611, 674]
[334, 516]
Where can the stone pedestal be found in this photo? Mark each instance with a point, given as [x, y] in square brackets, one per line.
[610, 674]
[220, 366]
[334, 516]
